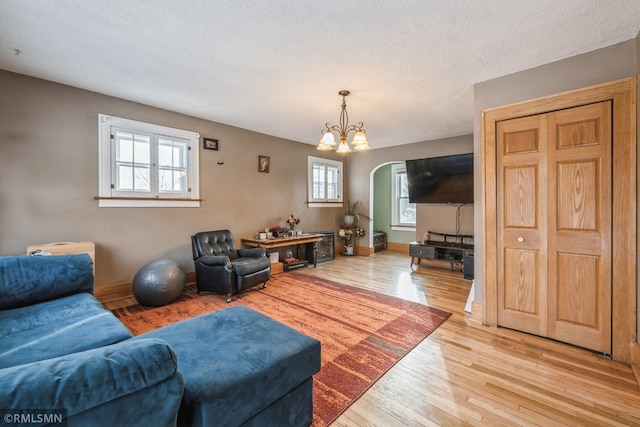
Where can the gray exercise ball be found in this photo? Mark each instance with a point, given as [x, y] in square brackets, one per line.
[159, 282]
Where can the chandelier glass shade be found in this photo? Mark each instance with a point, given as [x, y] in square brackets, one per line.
[328, 141]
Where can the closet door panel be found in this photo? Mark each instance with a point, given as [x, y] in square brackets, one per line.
[522, 258]
[580, 180]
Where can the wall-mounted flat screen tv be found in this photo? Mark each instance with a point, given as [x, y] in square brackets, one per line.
[447, 179]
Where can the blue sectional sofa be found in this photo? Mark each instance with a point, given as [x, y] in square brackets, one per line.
[61, 351]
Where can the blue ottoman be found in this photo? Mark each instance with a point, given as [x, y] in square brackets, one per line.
[242, 368]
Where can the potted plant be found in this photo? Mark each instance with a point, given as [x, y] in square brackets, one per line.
[352, 215]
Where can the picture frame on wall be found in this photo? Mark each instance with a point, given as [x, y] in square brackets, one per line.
[210, 144]
[263, 164]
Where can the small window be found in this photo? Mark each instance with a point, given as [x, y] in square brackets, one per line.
[143, 165]
[403, 215]
[324, 182]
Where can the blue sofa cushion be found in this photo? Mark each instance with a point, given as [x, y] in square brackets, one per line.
[81, 381]
[155, 406]
[55, 328]
[236, 362]
[26, 280]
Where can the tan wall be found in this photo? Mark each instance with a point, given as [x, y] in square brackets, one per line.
[49, 178]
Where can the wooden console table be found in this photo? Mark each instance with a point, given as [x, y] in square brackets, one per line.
[279, 242]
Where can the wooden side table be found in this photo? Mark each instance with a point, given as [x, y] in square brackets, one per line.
[280, 242]
[67, 248]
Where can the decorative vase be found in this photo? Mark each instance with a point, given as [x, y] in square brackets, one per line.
[349, 219]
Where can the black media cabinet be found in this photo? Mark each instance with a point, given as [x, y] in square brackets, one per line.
[379, 241]
[444, 250]
[326, 248]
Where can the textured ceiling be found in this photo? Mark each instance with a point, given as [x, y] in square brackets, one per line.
[276, 66]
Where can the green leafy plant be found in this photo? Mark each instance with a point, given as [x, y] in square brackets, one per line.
[352, 209]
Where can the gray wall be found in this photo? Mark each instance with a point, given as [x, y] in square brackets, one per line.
[434, 217]
[49, 160]
[363, 165]
[599, 66]
[49, 178]
[382, 207]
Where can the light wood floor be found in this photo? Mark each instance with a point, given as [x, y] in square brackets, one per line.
[468, 374]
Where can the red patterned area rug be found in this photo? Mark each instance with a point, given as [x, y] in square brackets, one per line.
[363, 333]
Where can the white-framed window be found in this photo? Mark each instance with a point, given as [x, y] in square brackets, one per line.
[324, 182]
[146, 165]
[403, 214]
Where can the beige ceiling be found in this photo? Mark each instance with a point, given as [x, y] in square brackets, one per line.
[276, 66]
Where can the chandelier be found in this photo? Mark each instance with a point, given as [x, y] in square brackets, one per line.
[328, 141]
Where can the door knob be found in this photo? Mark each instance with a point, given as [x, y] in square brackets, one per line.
[520, 239]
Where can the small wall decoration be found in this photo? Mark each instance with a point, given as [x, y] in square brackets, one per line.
[263, 164]
[210, 144]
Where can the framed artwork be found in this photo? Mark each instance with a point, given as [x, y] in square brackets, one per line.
[263, 164]
[210, 144]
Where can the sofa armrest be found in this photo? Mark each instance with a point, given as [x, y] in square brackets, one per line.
[214, 261]
[253, 253]
[82, 381]
[27, 280]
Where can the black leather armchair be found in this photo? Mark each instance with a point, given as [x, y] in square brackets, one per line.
[222, 268]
